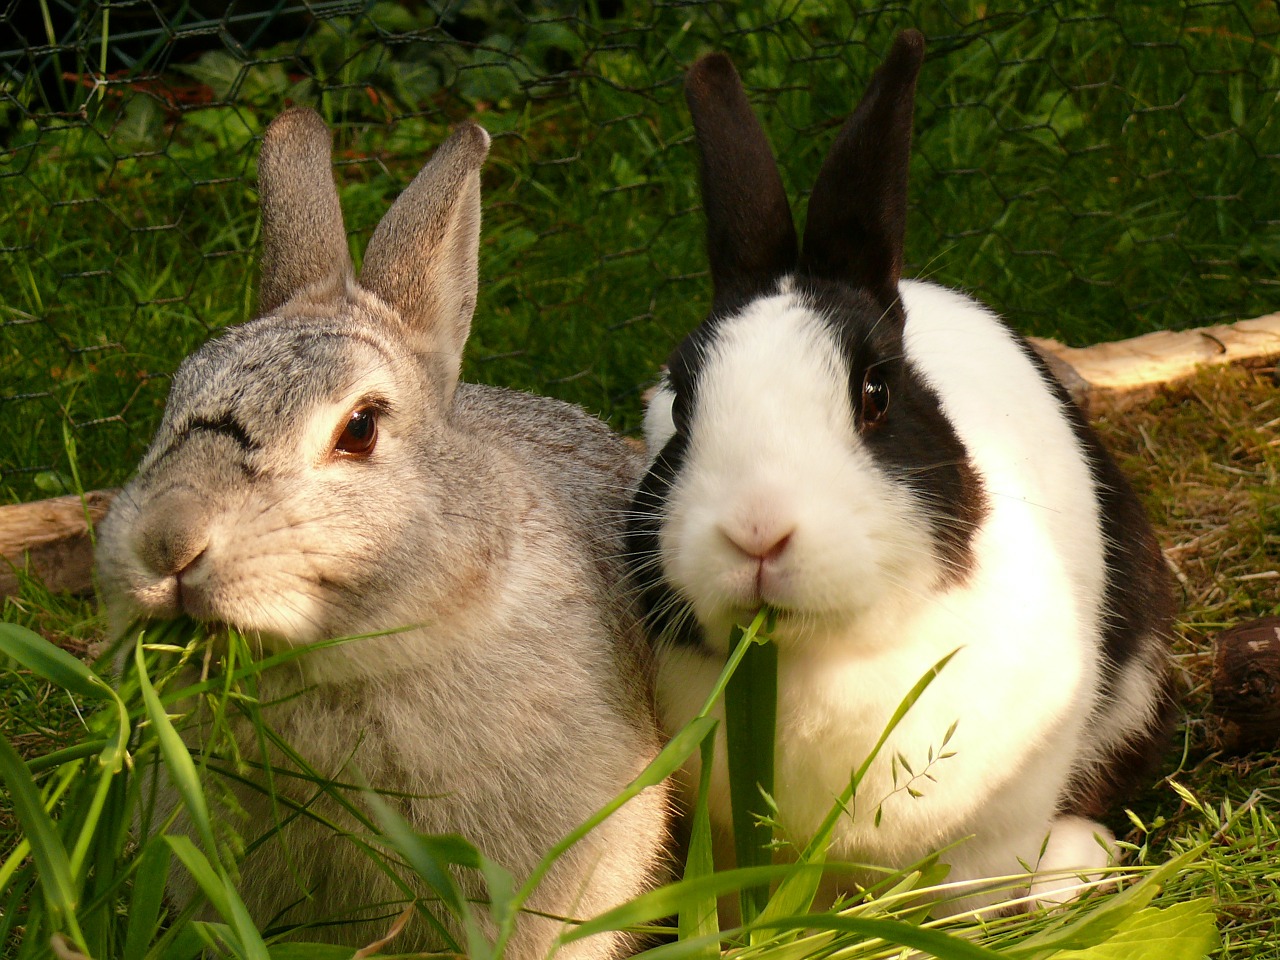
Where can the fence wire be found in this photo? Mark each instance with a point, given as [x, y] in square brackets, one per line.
[1091, 169]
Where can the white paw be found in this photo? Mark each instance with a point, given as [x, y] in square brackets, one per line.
[1077, 850]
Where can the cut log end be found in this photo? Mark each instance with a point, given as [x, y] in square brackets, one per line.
[1246, 686]
[50, 540]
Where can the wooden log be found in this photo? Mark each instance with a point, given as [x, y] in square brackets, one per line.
[1118, 375]
[50, 539]
[1246, 685]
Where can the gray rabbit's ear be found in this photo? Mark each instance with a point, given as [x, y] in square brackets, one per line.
[422, 258]
[304, 243]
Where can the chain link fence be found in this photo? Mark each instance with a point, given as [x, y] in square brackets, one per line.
[1091, 169]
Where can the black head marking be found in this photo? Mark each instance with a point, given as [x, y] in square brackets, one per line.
[914, 443]
[223, 425]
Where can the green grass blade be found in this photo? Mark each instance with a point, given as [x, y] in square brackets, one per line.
[77, 751]
[430, 859]
[502, 891]
[669, 759]
[751, 707]
[672, 756]
[53, 867]
[148, 899]
[19, 855]
[1181, 931]
[699, 915]
[691, 949]
[747, 638]
[51, 662]
[13, 916]
[177, 759]
[109, 764]
[666, 900]
[935, 943]
[217, 886]
[309, 951]
[1094, 927]
[14, 862]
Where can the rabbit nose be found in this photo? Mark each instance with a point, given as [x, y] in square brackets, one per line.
[175, 536]
[759, 543]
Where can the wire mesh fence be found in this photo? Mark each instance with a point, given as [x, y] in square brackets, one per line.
[1090, 169]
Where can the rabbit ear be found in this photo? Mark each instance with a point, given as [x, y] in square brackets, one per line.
[858, 209]
[422, 259]
[303, 239]
[751, 239]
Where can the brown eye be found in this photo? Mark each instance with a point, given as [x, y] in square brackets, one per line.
[875, 398]
[360, 433]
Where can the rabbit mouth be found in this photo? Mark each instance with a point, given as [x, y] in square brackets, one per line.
[787, 622]
[173, 599]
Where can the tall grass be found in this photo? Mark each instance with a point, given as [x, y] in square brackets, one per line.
[96, 846]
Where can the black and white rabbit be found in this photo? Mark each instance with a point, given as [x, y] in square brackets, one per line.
[321, 472]
[895, 473]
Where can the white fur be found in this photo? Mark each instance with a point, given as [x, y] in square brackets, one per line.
[773, 449]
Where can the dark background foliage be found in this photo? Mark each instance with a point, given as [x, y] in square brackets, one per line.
[1090, 169]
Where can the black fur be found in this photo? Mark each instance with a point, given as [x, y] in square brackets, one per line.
[666, 613]
[227, 425]
[858, 209]
[1139, 597]
[751, 238]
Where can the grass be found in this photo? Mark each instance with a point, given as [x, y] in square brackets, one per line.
[1090, 172]
[95, 846]
[1212, 816]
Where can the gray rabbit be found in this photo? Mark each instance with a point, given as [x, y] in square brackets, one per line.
[319, 473]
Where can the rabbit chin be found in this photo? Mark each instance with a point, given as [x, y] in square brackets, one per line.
[867, 628]
[854, 619]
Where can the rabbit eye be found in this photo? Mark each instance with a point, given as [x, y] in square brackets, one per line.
[680, 413]
[360, 433]
[875, 399]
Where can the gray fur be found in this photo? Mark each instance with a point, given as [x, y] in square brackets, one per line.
[303, 241]
[422, 257]
[487, 522]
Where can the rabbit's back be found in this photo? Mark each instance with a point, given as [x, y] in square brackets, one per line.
[1066, 516]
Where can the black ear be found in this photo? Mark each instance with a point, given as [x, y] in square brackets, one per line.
[751, 239]
[858, 209]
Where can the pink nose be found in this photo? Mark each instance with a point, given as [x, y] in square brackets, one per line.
[757, 543]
